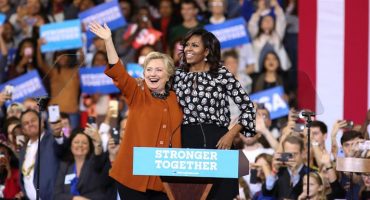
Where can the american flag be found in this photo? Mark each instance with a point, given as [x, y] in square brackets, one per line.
[334, 53]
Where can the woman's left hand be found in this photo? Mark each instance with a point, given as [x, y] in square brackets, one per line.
[225, 141]
[102, 32]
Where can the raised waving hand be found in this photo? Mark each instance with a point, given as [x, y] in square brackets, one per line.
[105, 33]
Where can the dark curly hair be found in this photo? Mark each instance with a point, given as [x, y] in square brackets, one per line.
[211, 43]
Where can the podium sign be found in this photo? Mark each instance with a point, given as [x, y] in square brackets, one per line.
[186, 162]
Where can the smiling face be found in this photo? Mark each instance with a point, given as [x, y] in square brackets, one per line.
[30, 125]
[80, 145]
[194, 50]
[155, 75]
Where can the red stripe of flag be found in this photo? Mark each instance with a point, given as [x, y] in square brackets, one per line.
[356, 60]
[307, 54]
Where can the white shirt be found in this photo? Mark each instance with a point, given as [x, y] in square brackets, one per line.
[29, 160]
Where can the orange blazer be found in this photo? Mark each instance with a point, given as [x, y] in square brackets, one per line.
[152, 122]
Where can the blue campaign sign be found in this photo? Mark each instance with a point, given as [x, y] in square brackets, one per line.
[2, 18]
[61, 36]
[231, 33]
[109, 13]
[273, 101]
[27, 85]
[93, 80]
[135, 70]
[185, 162]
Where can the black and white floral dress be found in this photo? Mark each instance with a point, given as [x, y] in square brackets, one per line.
[204, 99]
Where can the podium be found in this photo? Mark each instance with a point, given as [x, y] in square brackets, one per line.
[181, 177]
[353, 165]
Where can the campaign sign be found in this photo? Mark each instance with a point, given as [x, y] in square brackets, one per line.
[231, 33]
[2, 18]
[135, 70]
[61, 35]
[146, 36]
[25, 86]
[185, 162]
[109, 13]
[273, 101]
[93, 80]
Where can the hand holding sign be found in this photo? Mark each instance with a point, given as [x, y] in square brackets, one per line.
[3, 98]
[102, 32]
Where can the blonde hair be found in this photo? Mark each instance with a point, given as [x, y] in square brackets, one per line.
[321, 195]
[167, 60]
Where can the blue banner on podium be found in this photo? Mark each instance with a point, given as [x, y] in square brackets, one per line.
[186, 162]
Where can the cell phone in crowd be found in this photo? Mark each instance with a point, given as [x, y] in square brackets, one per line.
[20, 140]
[54, 113]
[115, 135]
[365, 145]
[299, 127]
[113, 106]
[349, 124]
[91, 120]
[9, 90]
[284, 157]
[254, 178]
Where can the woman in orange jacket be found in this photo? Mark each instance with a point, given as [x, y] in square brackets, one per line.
[154, 120]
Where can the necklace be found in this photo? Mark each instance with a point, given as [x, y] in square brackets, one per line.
[160, 95]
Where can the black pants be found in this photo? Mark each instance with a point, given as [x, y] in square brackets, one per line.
[126, 193]
[207, 136]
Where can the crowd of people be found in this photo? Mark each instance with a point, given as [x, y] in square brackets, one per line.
[193, 94]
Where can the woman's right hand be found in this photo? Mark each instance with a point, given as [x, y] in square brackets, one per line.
[103, 32]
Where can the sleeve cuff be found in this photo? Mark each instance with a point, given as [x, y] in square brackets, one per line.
[270, 182]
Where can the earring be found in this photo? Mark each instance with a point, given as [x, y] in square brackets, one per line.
[205, 59]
